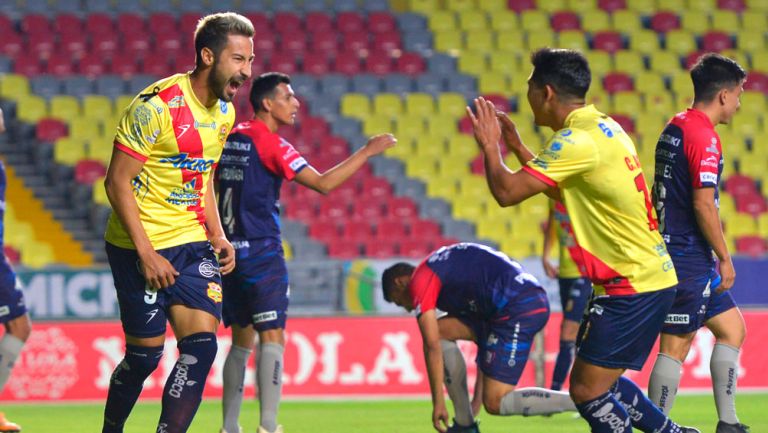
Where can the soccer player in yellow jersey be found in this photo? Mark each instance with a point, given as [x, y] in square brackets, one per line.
[591, 165]
[164, 234]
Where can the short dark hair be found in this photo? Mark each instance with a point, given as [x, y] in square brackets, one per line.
[390, 274]
[264, 87]
[213, 30]
[713, 73]
[567, 71]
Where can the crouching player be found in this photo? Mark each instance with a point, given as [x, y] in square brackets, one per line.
[491, 300]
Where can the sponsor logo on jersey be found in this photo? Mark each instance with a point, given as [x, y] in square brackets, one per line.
[677, 319]
[244, 146]
[240, 244]
[184, 162]
[5, 310]
[708, 177]
[297, 163]
[207, 268]
[214, 292]
[606, 130]
[265, 316]
[176, 102]
[711, 161]
[669, 139]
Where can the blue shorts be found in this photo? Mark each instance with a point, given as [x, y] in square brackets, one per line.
[256, 292]
[11, 299]
[504, 342]
[574, 296]
[143, 310]
[695, 303]
[619, 331]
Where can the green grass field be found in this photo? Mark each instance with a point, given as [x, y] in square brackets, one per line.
[404, 416]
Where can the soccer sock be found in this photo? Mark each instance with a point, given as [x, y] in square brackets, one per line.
[234, 378]
[456, 382]
[184, 386]
[665, 378]
[126, 383]
[563, 363]
[535, 401]
[723, 367]
[605, 414]
[10, 348]
[270, 374]
[644, 414]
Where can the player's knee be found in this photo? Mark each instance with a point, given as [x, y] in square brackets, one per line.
[140, 362]
[581, 391]
[202, 346]
[492, 404]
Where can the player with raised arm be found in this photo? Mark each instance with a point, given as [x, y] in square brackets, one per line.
[575, 287]
[164, 233]
[591, 165]
[255, 162]
[689, 163]
[491, 300]
[13, 311]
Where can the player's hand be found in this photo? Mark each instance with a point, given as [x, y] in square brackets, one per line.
[508, 131]
[226, 253]
[551, 270]
[727, 275]
[486, 126]
[157, 270]
[440, 417]
[379, 143]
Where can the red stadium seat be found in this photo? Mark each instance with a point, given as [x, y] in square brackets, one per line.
[347, 191]
[608, 41]
[325, 43]
[415, 248]
[355, 41]
[302, 210]
[264, 44]
[611, 5]
[381, 22]
[425, 229]
[751, 203]
[316, 63]
[97, 24]
[499, 101]
[6, 25]
[41, 44]
[106, 45]
[565, 20]
[49, 130]
[344, 249]
[318, 22]
[664, 21]
[92, 65]
[325, 230]
[162, 23]
[333, 207]
[287, 22]
[261, 23]
[379, 63]
[521, 5]
[294, 43]
[402, 207]
[74, 44]
[127, 67]
[131, 24]
[477, 166]
[617, 82]
[60, 64]
[314, 129]
[66, 24]
[350, 22]
[12, 45]
[386, 42]
[36, 24]
[358, 230]
[27, 64]
[188, 22]
[391, 228]
[692, 58]
[757, 82]
[716, 41]
[88, 171]
[465, 125]
[368, 209]
[738, 185]
[347, 63]
[138, 46]
[335, 146]
[732, 5]
[376, 188]
[183, 64]
[751, 245]
[283, 62]
[380, 249]
[626, 122]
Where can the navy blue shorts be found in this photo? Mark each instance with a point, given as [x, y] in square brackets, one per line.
[504, 342]
[11, 299]
[256, 292]
[144, 310]
[574, 297]
[695, 303]
[619, 331]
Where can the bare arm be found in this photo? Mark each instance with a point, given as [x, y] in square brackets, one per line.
[331, 179]
[507, 187]
[433, 355]
[123, 168]
[708, 220]
[216, 235]
[549, 237]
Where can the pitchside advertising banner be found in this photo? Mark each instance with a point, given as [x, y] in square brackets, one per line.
[325, 357]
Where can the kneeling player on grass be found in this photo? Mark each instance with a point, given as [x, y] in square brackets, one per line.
[491, 300]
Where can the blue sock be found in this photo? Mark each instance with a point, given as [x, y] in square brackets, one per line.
[126, 383]
[563, 364]
[644, 414]
[605, 415]
[184, 386]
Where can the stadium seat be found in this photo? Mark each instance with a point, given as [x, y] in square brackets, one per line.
[49, 130]
[595, 20]
[617, 82]
[88, 171]
[402, 207]
[347, 22]
[753, 204]
[628, 62]
[609, 41]
[344, 249]
[664, 21]
[410, 64]
[347, 63]
[716, 41]
[31, 109]
[381, 248]
[419, 104]
[753, 246]
[565, 20]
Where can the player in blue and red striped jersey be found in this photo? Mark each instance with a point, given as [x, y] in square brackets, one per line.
[689, 163]
[254, 164]
[489, 299]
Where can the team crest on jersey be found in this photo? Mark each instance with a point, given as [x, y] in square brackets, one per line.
[224, 107]
[177, 102]
[223, 133]
[214, 292]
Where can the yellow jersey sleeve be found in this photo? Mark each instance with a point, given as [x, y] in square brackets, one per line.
[568, 153]
[140, 126]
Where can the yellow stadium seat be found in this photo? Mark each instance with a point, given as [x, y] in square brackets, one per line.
[701, 5]
[505, 61]
[423, 169]
[13, 86]
[752, 166]
[762, 225]
[682, 84]
[448, 41]
[508, 41]
[696, 22]
[480, 40]
[419, 104]
[573, 39]
[377, 124]
[442, 125]
[100, 148]
[552, 5]
[627, 103]
[751, 41]
[473, 62]
[753, 102]
[31, 109]
[430, 149]
[759, 5]
[444, 187]
[443, 20]
[581, 5]
[409, 126]
[36, 254]
[473, 185]
[760, 61]
[404, 148]
[673, 5]
[734, 144]
[493, 83]
[97, 106]
[597, 96]
[388, 104]
[599, 63]
[493, 228]
[462, 145]
[727, 204]
[84, 129]
[747, 124]
[740, 224]
[535, 20]
[594, 20]
[447, 166]
[515, 248]
[664, 62]
[426, 7]
[468, 211]
[356, 105]
[109, 125]
[681, 42]
[661, 102]
[122, 103]
[739, 56]
[644, 41]
[540, 39]
[99, 194]
[65, 107]
[626, 20]
[754, 20]
[69, 151]
[451, 104]
[650, 82]
[629, 62]
[504, 21]
[726, 21]
[459, 5]
[642, 6]
[473, 20]
[22, 232]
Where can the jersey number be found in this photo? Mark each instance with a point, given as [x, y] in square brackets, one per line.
[653, 224]
[150, 296]
[228, 216]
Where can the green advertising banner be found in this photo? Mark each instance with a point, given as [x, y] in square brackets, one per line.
[69, 294]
